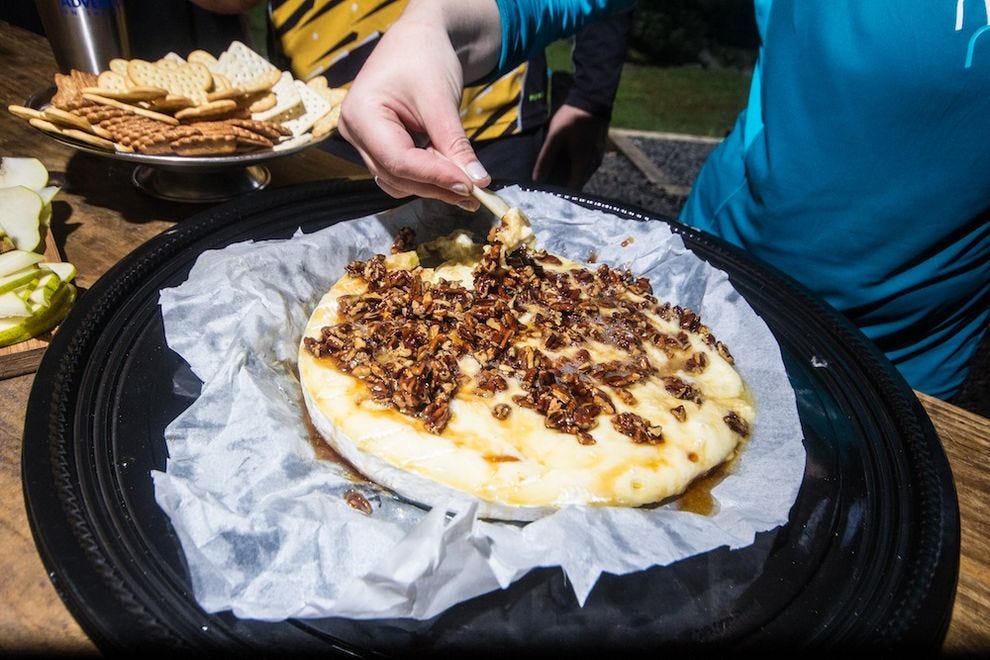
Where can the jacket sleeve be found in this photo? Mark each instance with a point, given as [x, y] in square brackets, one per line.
[528, 26]
[599, 52]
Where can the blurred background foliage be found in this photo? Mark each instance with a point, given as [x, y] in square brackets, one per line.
[688, 66]
[712, 33]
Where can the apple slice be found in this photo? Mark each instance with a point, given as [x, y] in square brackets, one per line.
[28, 172]
[14, 330]
[19, 279]
[65, 271]
[11, 304]
[47, 194]
[20, 216]
[15, 260]
[43, 290]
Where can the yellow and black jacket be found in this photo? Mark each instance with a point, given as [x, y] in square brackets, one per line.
[333, 38]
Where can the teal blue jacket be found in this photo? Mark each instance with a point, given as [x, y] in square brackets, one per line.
[861, 167]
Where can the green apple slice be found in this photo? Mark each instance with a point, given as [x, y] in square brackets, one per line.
[65, 271]
[11, 304]
[42, 292]
[19, 279]
[28, 172]
[15, 260]
[47, 194]
[45, 287]
[13, 331]
[20, 216]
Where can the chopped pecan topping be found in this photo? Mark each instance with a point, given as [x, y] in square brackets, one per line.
[501, 411]
[681, 390]
[356, 500]
[522, 321]
[637, 428]
[404, 240]
[696, 363]
[736, 423]
[679, 413]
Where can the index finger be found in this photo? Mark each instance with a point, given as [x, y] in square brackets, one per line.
[388, 149]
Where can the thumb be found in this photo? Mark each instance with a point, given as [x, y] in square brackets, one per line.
[452, 143]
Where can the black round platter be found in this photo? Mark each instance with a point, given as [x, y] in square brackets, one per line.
[869, 557]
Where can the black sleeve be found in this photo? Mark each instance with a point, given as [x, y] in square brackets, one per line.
[599, 52]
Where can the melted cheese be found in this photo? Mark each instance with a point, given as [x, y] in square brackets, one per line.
[517, 467]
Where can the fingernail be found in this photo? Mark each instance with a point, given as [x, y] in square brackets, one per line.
[467, 205]
[476, 171]
[460, 188]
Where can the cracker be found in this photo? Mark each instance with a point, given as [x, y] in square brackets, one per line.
[292, 142]
[24, 112]
[96, 114]
[170, 59]
[66, 119]
[146, 135]
[333, 95]
[288, 102]
[44, 125]
[327, 123]
[270, 130]
[156, 144]
[61, 117]
[112, 81]
[189, 79]
[82, 136]
[260, 102]
[128, 94]
[69, 94]
[318, 83]
[203, 57]
[247, 140]
[211, 109]
[171, 103]
[102, 100]
[205, 145]
[89, 138]
[246, 69]
[118, 65]
[220, 82]
[315, 107]
[231, 93]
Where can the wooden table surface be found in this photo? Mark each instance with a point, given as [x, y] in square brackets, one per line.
[99, 217]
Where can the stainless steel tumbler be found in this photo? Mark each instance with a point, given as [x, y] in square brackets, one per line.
[85, 34]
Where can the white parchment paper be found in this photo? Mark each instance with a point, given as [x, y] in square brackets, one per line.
[263, 523]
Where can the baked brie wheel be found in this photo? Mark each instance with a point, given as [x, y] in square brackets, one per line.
[518, 380]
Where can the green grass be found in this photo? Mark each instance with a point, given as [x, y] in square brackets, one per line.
[688, 99]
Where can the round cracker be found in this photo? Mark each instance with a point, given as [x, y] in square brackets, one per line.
[118, 65]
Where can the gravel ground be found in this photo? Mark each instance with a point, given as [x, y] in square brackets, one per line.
[678, 162]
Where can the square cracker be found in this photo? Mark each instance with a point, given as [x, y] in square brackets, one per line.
[246, 69]
[288, 102]
[315, 107]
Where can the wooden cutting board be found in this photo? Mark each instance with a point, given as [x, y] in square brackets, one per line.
[24, 357]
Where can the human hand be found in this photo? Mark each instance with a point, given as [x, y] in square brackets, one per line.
[573, 148]
[401, 113]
